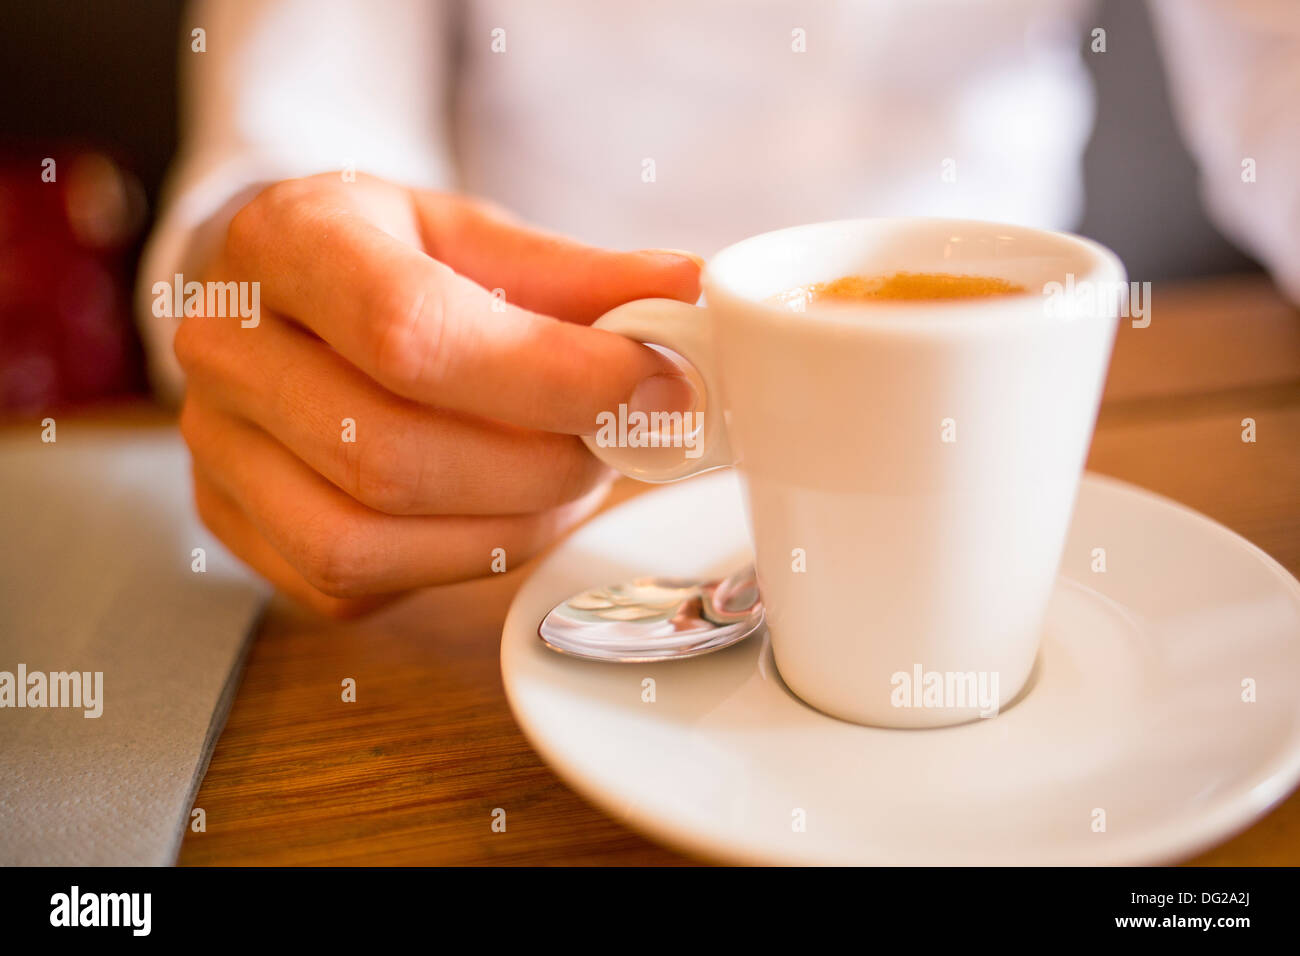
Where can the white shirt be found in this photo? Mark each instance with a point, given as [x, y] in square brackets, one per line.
[691, 124]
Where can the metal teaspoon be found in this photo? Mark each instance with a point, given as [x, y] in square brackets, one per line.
[655, 619]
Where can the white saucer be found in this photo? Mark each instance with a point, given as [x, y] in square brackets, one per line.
[1136, 708]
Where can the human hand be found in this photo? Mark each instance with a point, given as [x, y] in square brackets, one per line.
[465, 406]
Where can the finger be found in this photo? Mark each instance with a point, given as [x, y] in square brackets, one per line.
[341, 547]
[225, 519]
[433, 336]
[545, 272]
[389, 453]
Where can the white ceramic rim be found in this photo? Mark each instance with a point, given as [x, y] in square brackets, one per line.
[991, 314]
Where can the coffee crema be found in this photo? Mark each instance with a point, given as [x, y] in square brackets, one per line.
[901, 286]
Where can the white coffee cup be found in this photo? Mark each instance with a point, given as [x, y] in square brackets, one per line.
[910, 467]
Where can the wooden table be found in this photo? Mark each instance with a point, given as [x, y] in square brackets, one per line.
[411, 772]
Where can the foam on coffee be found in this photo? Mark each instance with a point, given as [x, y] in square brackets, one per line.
[901, 286]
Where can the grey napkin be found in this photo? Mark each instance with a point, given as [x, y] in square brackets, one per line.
[97, 533]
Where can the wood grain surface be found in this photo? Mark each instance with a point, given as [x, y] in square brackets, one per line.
[411, 772]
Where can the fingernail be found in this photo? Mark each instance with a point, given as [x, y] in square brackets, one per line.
[662, 393]
[698, 260]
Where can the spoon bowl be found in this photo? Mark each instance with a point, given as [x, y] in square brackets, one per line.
[655, 619]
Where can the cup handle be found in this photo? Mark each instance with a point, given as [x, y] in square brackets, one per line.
[684, 329]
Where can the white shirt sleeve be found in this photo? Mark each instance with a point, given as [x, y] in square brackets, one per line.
[1234, 68]
[287, 88]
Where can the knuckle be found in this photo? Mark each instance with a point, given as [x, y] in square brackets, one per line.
[411, 330]
[332, 556]
[385, 473]
[284, 194]
[188, 424]
[247, 228]
[204, 505]
[189, 344]
[243, 229]
[212, 510]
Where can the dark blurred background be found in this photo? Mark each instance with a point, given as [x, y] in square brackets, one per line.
[92, 84]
